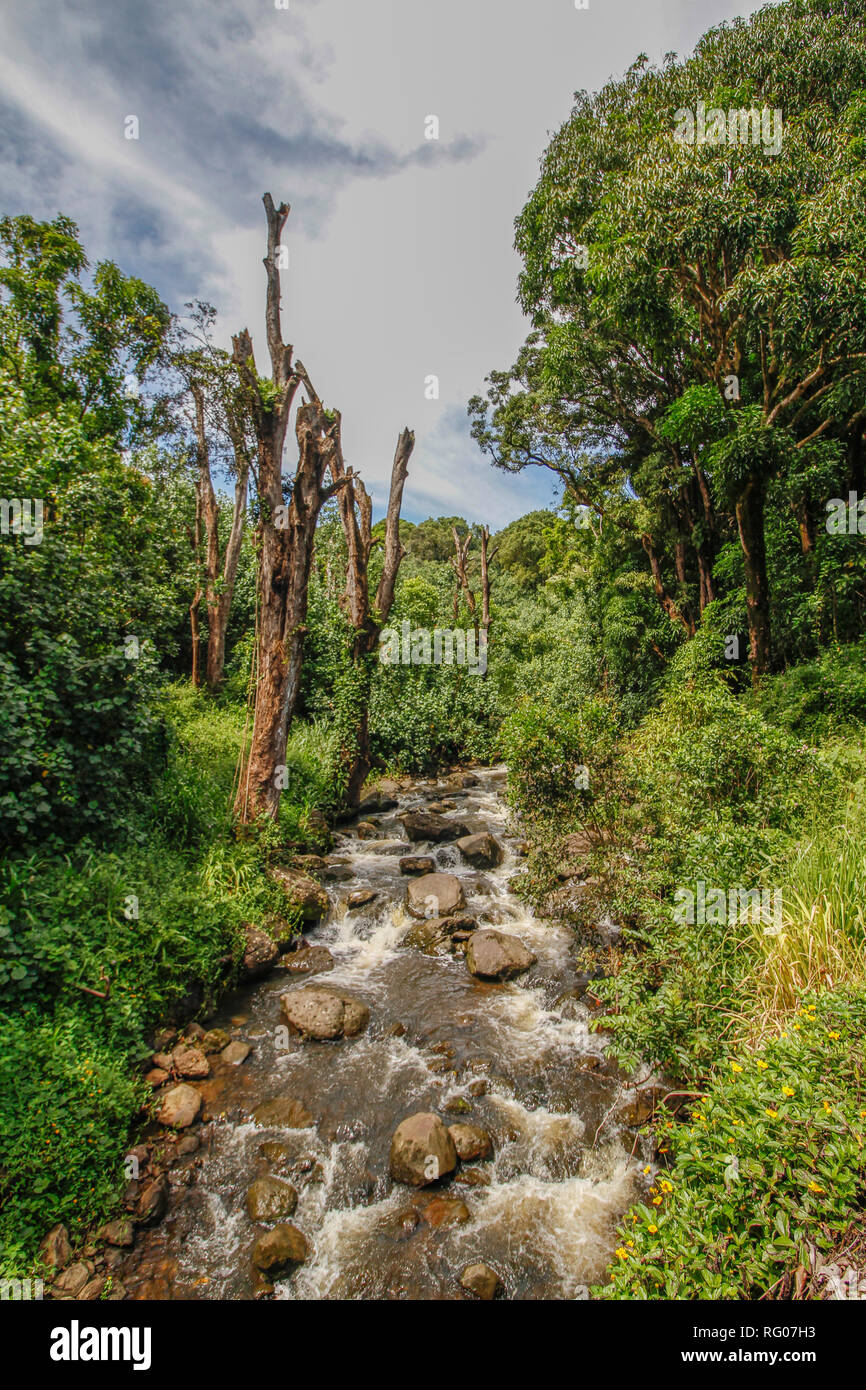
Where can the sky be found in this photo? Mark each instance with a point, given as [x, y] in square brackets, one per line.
[401, 254]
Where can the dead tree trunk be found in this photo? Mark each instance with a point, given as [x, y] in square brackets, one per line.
[285, 535]
[459, 564]
[367, 616]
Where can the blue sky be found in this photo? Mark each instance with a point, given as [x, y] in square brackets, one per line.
[402, 264]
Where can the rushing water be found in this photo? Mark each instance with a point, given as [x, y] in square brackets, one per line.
[528, 1069]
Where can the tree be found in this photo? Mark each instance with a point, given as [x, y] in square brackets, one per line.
[653, 266]
[286, 532]
[367, 615]
[212, 402]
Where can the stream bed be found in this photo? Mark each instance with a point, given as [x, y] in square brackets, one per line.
[515, 1058]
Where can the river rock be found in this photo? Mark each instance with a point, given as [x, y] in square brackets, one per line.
[277, 1250]
[260, 952]
[640, 1104]
[445, 1211]
[339, 871]
[376, 800]
[361, 898]
[93, 1289]
[482, 851]
[235, 1053]
[325, 1014]
[156, 1077]
[180, 1106]
[472, 1177]
[270, 1199]
[151, 1205]
[422, 1150]
[471, 1142]
[303, 895]
[427, 825]
[435, 895]
[414, 865]
[430, 936]
[494, 955]
[215, 1039]
[119, 1232]
[311, 865]
[70, 1283]
[55, 1248]
[283, 1112]
[309, 960]
[482, 1281]
[191, 1063]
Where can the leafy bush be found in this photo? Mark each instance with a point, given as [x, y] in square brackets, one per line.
[770, 1163]
[67, 1105]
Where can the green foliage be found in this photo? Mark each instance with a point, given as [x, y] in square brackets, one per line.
[769, 1166]
[67, 1106]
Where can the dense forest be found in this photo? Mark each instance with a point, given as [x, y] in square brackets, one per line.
[211, 654]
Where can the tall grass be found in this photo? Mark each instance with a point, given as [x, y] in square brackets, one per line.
[822, 942]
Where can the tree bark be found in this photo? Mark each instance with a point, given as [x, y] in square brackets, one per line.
[662, 594]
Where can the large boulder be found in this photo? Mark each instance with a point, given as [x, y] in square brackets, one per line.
[494, 955]
[482, 851]
[303, 895]
[325, 1014]
[260, 952]
[270, 1199]
[278, 1250]
[427, 825]
[471, 1142]
[180, 1106]
[435, 895]
[422, 1150]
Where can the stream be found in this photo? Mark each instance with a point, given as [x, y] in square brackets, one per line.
[515, 1058]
